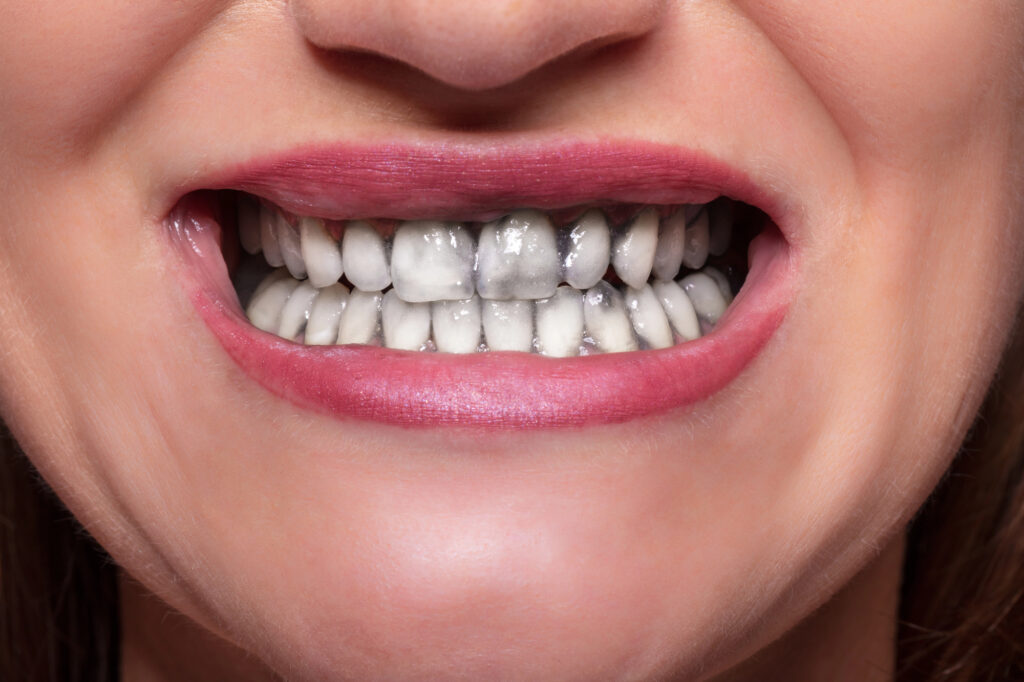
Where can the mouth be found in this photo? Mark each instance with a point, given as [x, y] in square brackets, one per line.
[549, 287]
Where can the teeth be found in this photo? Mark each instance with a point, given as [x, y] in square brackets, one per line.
[648, 317]
[508, 325]
[722, 281]
[678, 309]
[518, 258]
[707, 298]
[604, 312]
[296, 311]
[365, 257]
[560, 323]
[322, 328]
[269, 299]
[268, 237]
[432, 261]
[291, 247]
[249, 225]
[456, 325]
[722, 216]
[361, 318]
[668, 258]
[696, 252]
[586, 252]
[320, 253]
[633, 253]
[406, 325]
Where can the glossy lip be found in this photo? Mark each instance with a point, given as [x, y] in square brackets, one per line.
[495, 390]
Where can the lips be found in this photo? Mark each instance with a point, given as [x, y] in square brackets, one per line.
[462, 182]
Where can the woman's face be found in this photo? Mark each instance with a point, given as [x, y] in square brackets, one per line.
[415, 515]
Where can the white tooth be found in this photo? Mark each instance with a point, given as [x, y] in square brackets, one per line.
[291, 247]
[365, 256]
[679, 309]
[518, 258]
[587, 250]
[456, 325]
[268, 301]
[432, 261]
[696, 252]
[249, 224]
[322, 328]
[604, 313]
[671, 245]
[406, 325]
[361, 317]
[296, 311]
[649, 320]
[722, 216]
[722, 281]
[634, 248]
[560, 323]
[706, 297]
[508, 325]
[319, 252]
[268, 237]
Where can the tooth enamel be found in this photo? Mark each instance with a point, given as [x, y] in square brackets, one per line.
[560, 323]
[268, 237]
[720, 233]
[607, 320]
[668, 258]
[456, 325]
[706, 297]
[268, 301]
[324, 317]
[296, 311]
[291, 247]
[696, 251]
[508, 325]
[518, 258]
[361, 317]
[678, 309]
[365, 257]
[319, 252]
[648, 317]
[432, 261]
[249, 224]
[633, 251]
[722, 281]
[406, 325]
[587, 250]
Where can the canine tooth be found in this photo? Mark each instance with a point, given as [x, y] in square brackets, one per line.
[604, 313]
[508, 325]
[456, 325]
[406, 325]
[696, 252]
[291, 247]
[648, 317]
[705, 295]
[678, 309]
[268, 237]
[633, 251]
[361, 317]
[560, 323]
[296, 311]
[722, 281]
[668, 258]
[518, 258]
[365, 257]
[324, 317]
[268, 301]
[722, 216]
[319, 252]
[432, 261]
[587, 250]
[249, 225]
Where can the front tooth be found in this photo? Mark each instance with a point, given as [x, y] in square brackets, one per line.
[671, 244]
[432, 261]
[649, 320]
[560, 323]
[365, 257]
[508, 325]
[406, 325]
[291, 247]
[706, 297]
[722, 281]
[322, 328]
[679, 309]
[249, 224]
[634, 249]
[361, 317]
[604, 312]
[319, 252]
[296, 311]
[587, 250]
[268, 237]
[518, 258]
[720, 233]
[696, 251]
[268, 301]
[456, 325]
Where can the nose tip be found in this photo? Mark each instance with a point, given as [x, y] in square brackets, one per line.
[472, 44]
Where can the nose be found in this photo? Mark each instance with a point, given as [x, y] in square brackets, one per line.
[473, 44]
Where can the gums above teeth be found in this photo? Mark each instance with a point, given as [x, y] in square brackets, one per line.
[525, 282]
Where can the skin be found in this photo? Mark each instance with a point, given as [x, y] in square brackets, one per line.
[691, 545]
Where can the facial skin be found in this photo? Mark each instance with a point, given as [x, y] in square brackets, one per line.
[678, 544]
